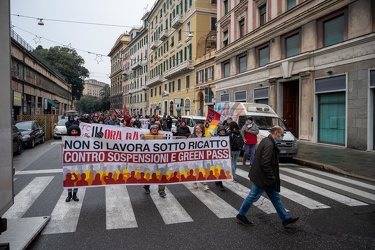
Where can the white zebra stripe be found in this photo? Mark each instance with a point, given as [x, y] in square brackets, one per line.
[324, 192]
[24, 199]
[333, 184]
[217, 205]
[119, 210]
[65, 215]
[169, 208]
[43, 171]
[291, 195]
[337, 177]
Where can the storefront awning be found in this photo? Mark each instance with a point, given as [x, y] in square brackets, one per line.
[53, 104]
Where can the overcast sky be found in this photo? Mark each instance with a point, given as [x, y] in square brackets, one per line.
[82, 37]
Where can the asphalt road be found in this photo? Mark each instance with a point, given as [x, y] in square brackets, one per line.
[335, 212]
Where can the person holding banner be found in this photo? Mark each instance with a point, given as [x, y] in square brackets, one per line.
[221, 131]
[199, 133]
[183, 130]
[154, 135]
[113, 120]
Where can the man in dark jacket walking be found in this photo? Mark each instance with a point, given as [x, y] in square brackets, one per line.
[264, 174]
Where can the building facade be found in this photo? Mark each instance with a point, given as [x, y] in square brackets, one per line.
[117, 58]
[37, 88]
[312, 61]
[93, 87]
[174, 31]
[137, 64]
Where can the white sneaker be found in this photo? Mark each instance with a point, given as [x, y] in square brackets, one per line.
[206, 188]
[195, 185]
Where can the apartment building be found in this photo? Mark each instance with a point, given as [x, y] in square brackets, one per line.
[117, 57]
[136, 65]
[175, 28]
[93, 87]
[313, 61]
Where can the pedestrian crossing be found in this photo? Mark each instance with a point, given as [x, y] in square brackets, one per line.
[120, 212]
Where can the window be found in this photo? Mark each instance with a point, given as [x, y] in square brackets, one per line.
[262, 14]
[179, 35]
[224, 98]
[263, 56]
[240, 96]
[333, 30]
[213, 23]
[172, 41]
[187, 82]
[261, 95]
[290, 4]
[226, 69]
[225, 38]
[225, 7]
[178, 84]
[242, 63]
[241, 27]
[200, 76]
[292, 45]
[210, 73]
[159, 90]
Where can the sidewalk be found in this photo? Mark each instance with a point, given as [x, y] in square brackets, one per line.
[351, 162]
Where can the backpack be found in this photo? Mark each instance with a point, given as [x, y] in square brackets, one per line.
[236, 142]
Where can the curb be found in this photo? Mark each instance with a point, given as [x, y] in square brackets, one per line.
[328, 168]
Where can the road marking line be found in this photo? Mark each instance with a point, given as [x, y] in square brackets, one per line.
[324, 192]
[119, 210]
[169, 208]
[24, 199]
[334, 184]
[217, 205]
[358, 183]
[65, 215]
[42, 171]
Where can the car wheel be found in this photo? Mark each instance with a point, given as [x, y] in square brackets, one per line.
[32, 143]
[43, 140]
[19, 150]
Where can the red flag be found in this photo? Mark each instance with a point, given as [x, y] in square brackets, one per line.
[124, 110]
[212, 121]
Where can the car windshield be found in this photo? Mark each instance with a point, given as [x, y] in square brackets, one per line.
[27, 125]
[265, 122]
[61, 122]
[201, 121]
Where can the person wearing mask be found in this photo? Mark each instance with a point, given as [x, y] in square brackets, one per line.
[198, 132]
[221, 131]
[249, 133]
[236, 144]
[264, 174]
[154, 135]
[73, 130]
[113, 120]
[137, 123]
[183, 130]
[70, 122]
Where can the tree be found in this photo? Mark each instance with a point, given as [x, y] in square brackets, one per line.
[104, 94]
[88, 104]
[69, 64]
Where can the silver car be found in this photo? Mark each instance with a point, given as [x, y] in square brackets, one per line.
[60, 129]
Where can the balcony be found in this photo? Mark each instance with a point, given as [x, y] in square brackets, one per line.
[180, 69]
[137, 65]
[155, 80]
[164, 35]
[154, 44]
[126, 72]
[177, 21]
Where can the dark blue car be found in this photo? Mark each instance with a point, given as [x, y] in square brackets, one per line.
[31, 131]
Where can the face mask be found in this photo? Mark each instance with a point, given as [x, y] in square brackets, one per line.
[279, 139]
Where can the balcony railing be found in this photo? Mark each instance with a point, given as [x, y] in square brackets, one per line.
[181, 68]
[177, 21]
[155, 80]
[137, 65]
[164, 35]
[154, 44]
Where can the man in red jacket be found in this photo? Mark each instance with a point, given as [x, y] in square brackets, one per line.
[249, 133]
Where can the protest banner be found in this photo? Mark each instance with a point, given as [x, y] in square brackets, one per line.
[93, 161]
[212, 121]
[110, 132]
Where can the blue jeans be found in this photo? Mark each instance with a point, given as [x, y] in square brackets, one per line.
[235, 155]
[249, 149]
[255, 194]
[74, 190]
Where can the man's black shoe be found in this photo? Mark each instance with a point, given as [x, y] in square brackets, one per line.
[147, 190]
[244, 220]
[289, 222]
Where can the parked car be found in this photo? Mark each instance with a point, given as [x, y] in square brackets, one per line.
[17, 140]
[60, 129]
[32, 132]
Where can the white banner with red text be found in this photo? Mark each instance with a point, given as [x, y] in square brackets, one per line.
[93, 161]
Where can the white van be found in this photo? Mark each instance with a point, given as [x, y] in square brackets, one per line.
[192, 120]
[264, 117]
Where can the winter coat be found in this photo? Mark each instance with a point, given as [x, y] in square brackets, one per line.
[70, 122]
[250, 134]
[183, 131]
[265, 169]
[235, 132]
